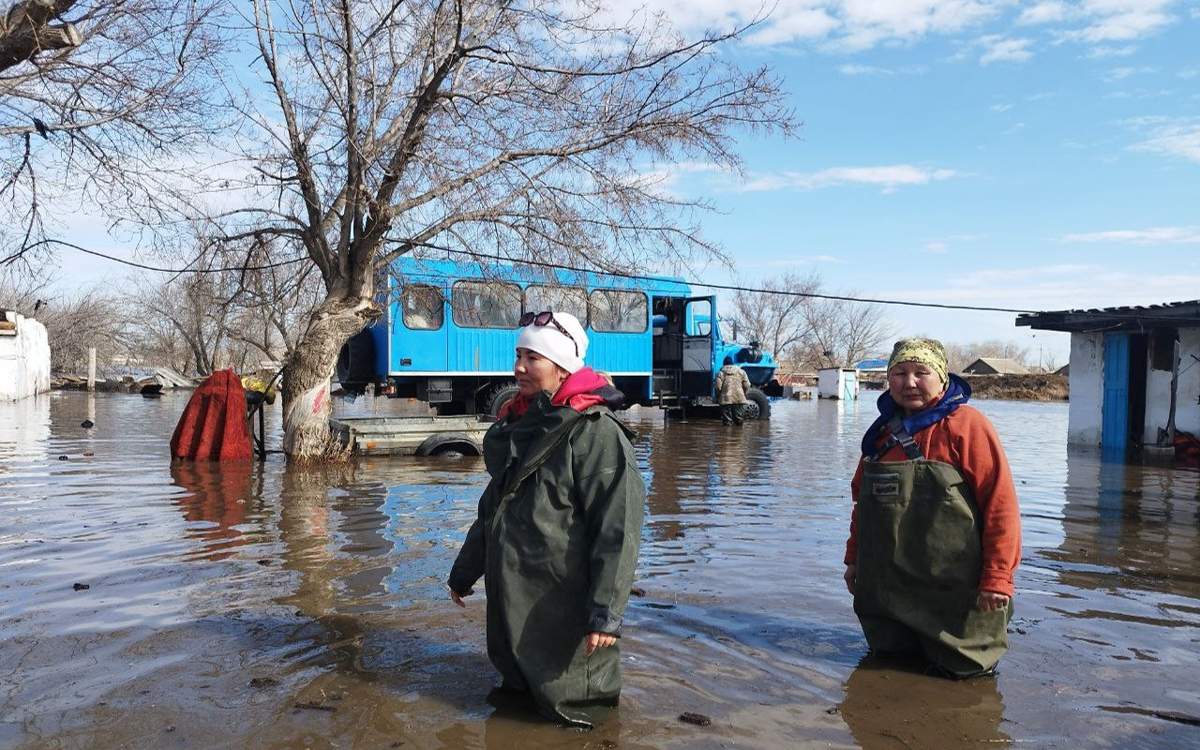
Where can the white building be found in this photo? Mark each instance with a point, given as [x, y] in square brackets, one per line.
[1134, 372]
[837, 382]
[24, 357]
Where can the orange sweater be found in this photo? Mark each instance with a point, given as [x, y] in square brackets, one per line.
[966, 440]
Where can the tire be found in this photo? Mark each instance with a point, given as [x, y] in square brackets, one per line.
[356, 362]
[437, 445]
[497, 396]
[758, 405]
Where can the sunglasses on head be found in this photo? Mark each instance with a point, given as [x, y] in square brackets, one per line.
[546, 318]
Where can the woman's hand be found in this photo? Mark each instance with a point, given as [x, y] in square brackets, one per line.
[597, 641]
[990, 601]
[851, 572]
[454, 597]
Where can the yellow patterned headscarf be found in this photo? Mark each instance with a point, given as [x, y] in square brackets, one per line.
[928, 352]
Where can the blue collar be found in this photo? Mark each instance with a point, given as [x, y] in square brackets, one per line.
[958, 392]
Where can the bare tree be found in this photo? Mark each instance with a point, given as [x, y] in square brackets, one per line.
[98, 98]
[777, 321]
[192, 313]
[518, 129]
[842, 332]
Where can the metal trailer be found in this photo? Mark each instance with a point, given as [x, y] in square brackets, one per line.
[413, 436]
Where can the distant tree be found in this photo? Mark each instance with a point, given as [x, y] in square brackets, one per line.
[842, 332]
[777, 321]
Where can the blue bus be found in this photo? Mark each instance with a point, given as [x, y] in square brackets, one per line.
[449, 331]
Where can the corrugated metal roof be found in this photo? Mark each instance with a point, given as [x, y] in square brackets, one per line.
[1126, 317]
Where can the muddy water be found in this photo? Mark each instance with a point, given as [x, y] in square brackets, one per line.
[262, 607]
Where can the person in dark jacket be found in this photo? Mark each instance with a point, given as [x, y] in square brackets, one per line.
[557, 533]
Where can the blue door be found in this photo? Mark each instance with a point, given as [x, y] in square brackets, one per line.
[1114, 431]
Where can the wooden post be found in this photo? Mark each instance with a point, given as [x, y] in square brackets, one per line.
[91, 368]
[1174, 392]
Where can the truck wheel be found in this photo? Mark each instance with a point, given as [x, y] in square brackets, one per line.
[758, 405]
[356, 362]
[499, 395]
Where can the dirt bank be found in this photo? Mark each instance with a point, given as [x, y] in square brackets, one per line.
[1033, 387]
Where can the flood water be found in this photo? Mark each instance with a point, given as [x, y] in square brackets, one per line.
[258, 606]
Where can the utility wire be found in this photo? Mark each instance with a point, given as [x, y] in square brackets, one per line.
[638, 277]
[145, 267]
[734, 287]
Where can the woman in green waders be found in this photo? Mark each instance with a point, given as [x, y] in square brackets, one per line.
[556, 538]
[935, 534]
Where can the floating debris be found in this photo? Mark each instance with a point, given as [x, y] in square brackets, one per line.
[700, 720]
[81, 586]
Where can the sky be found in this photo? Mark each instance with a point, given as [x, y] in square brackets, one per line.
[1037, 156]
[1032, 155]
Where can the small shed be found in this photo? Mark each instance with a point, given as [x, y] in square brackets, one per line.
[995, 366]
[24, 357]
[1134, 372]
[837, 383]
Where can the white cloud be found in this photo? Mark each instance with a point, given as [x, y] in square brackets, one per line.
[1099, 53]
[1151, 236]
[937, 247]
[1120, 74]
[889, 177]
[1121, 20]
[1179, 138]
[1000, 107]
[865, 70]
[1047, 12]
[1061, 286]
[1188, 73]
[1002, 49]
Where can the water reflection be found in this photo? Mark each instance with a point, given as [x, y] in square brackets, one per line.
[891, 704]
[217, 501]
[1129, 525]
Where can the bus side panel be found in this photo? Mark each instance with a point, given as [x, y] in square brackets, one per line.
[482, 350]
[620, 353]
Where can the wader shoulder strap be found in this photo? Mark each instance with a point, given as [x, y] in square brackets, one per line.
[900, 435]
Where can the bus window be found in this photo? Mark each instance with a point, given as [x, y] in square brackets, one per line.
[486, 304]
[613, 310]
[422, 306]
[568, 299]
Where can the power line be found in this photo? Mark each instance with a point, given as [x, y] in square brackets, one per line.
[733, 287]
[146, 267]
[644, 277]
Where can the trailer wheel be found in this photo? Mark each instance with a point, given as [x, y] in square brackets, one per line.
[438, 445]
[499, 395]
[758, 406]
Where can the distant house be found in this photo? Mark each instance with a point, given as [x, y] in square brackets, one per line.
[995, 366]
[1065, 370]
[1132, 372]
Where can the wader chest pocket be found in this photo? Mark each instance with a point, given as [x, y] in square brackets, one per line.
[885, 488]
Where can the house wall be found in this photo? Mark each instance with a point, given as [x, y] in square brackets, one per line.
[1087, 389]
[1158, 390]
[24, 360]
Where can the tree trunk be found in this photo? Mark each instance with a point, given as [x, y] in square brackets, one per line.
[306, 406]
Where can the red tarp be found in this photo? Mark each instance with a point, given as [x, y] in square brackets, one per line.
[213, 427]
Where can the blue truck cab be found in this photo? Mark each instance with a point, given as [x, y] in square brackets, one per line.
[449, 330]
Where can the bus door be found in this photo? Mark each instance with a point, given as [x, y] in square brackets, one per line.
[696, 379]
